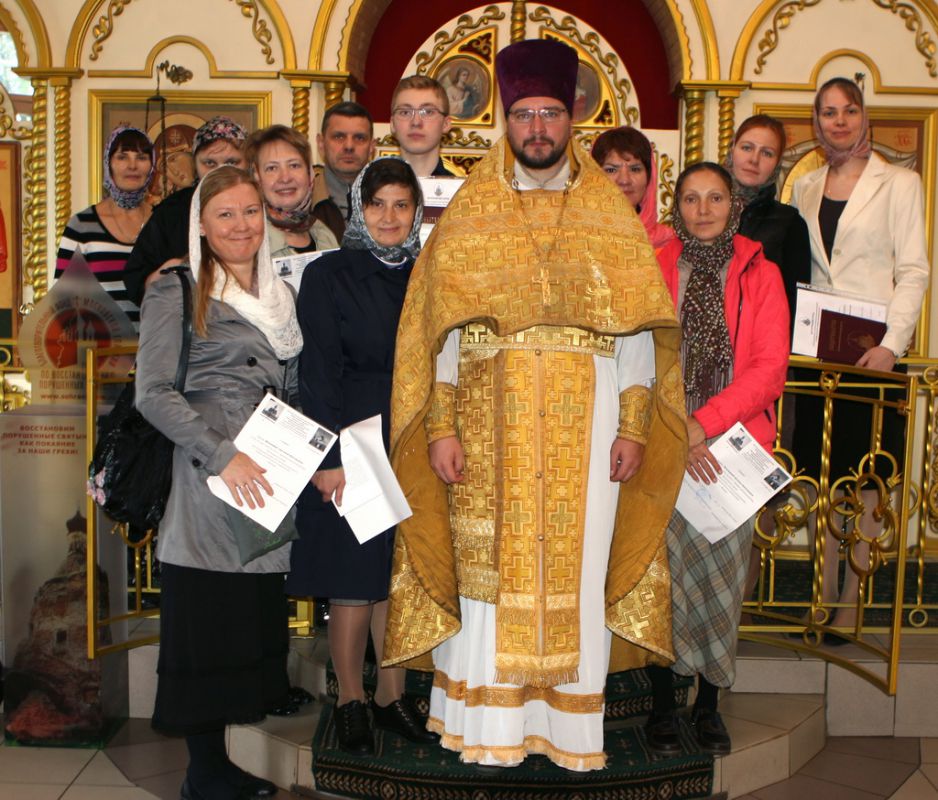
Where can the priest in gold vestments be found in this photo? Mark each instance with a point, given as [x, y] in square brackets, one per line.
[537, 429]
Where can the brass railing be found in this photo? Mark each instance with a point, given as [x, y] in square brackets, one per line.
[14, 383]
[879, 513]
[141, 549]
[896, 542]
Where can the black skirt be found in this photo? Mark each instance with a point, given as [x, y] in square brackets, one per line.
[223, 648]
[327, 560]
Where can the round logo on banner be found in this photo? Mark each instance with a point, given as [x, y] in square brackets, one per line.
[69, 327]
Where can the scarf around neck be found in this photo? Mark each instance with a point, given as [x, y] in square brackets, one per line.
[749, 193]
[706, 350]
[272, 312]
[293, 220]
[123, 198]
[357, 236]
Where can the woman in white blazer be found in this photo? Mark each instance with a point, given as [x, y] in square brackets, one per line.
[866, 223]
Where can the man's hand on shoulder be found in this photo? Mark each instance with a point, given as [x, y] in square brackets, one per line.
[625, 459]
[447, 460]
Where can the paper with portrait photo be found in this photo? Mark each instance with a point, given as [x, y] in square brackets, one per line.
[291, 268]
[372, 500]
[750, 478]
[289, 446]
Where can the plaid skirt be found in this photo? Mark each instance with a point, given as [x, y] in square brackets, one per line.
[707, 584]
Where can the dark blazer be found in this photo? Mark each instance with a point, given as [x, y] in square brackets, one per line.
[165, 236]
[783, 235]
[349, 307]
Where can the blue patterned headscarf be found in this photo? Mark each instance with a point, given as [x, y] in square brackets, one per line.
[357, 236]
[125, 199]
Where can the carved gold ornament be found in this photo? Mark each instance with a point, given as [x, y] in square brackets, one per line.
[104, 27]
[465, 25]
[693, 126]
[591, 53]
[35, 272]
[665, 184]
[780, 20]
[63, 157]
[262, 34]
[906, 12]
[913, 22]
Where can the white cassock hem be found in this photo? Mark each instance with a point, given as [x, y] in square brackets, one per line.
[490, 724]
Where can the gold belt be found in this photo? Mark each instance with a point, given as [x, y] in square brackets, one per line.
[482, 342]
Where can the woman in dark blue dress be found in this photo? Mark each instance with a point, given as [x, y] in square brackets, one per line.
[349, 305]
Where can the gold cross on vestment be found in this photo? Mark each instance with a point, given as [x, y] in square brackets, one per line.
[546, 282]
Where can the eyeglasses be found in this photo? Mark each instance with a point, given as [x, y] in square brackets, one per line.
[525, 116]
[424, 112]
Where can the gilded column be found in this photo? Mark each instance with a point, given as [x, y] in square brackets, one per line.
[693, 126]
[727, 123]
[35, 268]
[301, 109]
[518, 9]
[63, 153]
[334, 92]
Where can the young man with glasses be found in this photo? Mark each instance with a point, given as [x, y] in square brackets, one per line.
[419, 120]
[537, 431]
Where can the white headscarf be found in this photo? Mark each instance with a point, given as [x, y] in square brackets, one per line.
[273, 311]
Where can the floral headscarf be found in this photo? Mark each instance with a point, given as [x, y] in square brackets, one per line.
[218, 128]
[357, 236]
[123, 198]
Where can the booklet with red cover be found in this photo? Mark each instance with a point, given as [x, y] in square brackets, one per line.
[844, 338]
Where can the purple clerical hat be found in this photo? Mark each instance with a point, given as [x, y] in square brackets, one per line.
[537, 68]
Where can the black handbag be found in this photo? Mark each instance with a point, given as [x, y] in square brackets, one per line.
[131, 472]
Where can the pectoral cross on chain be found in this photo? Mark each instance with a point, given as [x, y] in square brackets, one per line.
[546, 282]
[544, 279]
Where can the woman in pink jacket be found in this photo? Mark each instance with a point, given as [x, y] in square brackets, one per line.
[734, 314]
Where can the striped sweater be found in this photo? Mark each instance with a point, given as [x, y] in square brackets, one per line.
[106, 257]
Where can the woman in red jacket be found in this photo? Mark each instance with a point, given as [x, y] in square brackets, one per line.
[734, 315]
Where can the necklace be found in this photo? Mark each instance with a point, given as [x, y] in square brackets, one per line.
[545, 251]
[122, 225]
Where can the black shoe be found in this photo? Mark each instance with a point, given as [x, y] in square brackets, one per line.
[285, 708]
[662, 733]
[251, 787]
[188, 792]
[712, 735]
[401, 717]
[299, 696]
[248, 718]
[353, 729]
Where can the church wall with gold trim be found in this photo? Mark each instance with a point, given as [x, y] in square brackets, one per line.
[727, 58]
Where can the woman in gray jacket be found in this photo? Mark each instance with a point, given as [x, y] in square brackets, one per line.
[223, 635]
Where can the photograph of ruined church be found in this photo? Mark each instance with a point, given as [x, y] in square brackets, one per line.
[411, 400]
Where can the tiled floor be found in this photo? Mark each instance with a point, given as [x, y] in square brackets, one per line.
[139, 764]
[863, 768]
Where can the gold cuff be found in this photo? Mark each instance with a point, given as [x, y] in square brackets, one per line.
[635, 413]
[441, 418]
